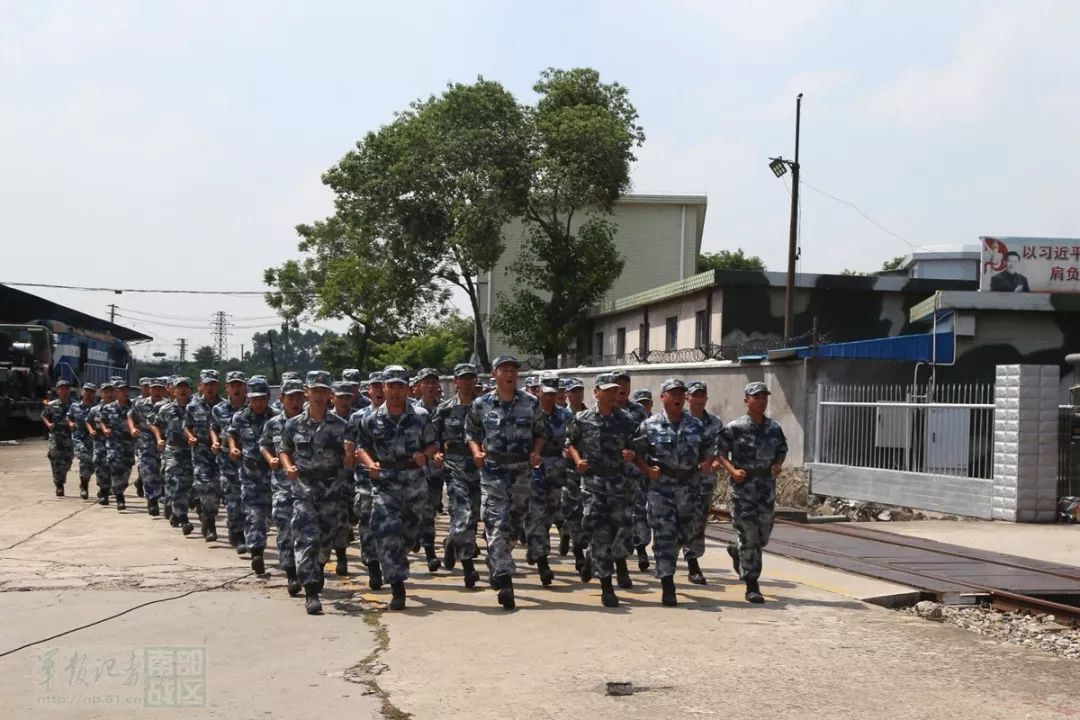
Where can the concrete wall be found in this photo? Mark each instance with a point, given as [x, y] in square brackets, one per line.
[937, 493]
[1025, 443]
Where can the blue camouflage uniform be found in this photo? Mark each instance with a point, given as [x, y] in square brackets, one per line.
[317, 448]
[570, 502]
[284, 499]
[61, 445]
[548, 479]
[606, 492]
[754, 448]
[639, 509]
[82, 444]
[400, 492]
[506, 431]
[176, 459]
[145, 447]
[435, 478]
[362, 492]
[120, 445]
[706, 483]
[199, 422]
[229, 468]
[677, 448]
[462, 475]
[101, 464]
[341, 499]
[246, 430]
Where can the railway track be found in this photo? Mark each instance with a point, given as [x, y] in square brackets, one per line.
[947, 573]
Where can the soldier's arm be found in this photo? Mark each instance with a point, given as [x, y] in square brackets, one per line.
[285, 453]
[155, 427]
[131, 425]
[781, 451]
[234, 449]
[266, 448]
[474, 433]
[364, 449]
[49, 425]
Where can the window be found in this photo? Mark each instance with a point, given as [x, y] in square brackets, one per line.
[598, 344]
[643, 338]
[701, 328]
[620, 341]
[671, 333]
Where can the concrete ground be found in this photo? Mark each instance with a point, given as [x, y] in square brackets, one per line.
[247, 650]
[1050, 542]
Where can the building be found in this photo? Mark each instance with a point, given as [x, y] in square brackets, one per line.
[941, 264]
[659, 235]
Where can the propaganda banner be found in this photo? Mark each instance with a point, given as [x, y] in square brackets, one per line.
[1026, 264]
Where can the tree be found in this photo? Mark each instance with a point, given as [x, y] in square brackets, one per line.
[439, 346]
[583, 133]
[205, 357]
[729, 260]
[895, 264]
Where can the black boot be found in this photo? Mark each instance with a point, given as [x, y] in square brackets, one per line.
[397, 602]
[311, 600]
[579, 557]
[257, 562]
[585, 571]
[564, 544]
[293, 581]
[139, 488]
[642, 558]
[120, 503]
[103, 497]
[542, 567]
[668, 596]
[622, 574]
[342, 567]
[469, 570]
[321, 570]
[449, 554]
[210, 528]
[236, 539]
[433, 563]
[505, 584]
[753, 593]
[59, 491]
[375, 579]
[168, 511]
[733, 553]
[84, 489]
[696, 576]
[607, 593]
[152, 508]
[185, 525]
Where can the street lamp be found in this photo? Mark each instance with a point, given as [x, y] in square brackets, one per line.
[779, 167]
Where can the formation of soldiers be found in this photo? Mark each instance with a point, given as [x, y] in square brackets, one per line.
[330, 463]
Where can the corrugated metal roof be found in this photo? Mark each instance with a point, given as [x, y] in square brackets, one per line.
[634, 199]
[902, 348]
[662, 292]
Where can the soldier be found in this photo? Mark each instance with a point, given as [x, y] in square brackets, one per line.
[61, 446]
[83, 444]
[172, 442]
[395, 442]
[570, 502]
[548, 479]
[284, 500]
[144, 394]
[244, 434]
[463, 475]
[560, 396]
[532, 385]
[644, 398]
[235, 401]
[198, 426]
[639, 539]
[360, 400]
[362, 492]
[752, 449]
[139, 421]
[344, 400]
[428, 381]
[101, 465]
[313, 451]
[697, 396]
[671, 450]
[505, 431]
[120, 445]
[600, 446]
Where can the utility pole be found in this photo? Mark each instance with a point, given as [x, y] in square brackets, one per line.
[793, 232]
[273, 360]
[220, 327]
[182, 343]
[112, 312]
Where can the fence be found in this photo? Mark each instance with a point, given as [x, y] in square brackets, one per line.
[943, 430]
[96, 373]
[1068, 445]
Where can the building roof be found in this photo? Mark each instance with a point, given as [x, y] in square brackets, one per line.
[19, 307]
[977, 300]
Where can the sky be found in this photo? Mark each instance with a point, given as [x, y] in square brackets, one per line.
[177, 144]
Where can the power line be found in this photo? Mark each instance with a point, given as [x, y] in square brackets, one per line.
[119, 291]
[163, 316]
[855, 207]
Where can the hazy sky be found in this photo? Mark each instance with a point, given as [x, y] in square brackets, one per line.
[177, 144]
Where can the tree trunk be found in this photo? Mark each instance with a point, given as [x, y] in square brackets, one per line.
[361, 344]
[479, 337]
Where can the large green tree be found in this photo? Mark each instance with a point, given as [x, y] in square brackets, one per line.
[729, 260]
[583, 133]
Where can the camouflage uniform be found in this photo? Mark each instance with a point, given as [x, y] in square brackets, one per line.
[506, 432]
[570, 502]
[547, 483]
[463, 477]
[176, 459]
[284, 499]
[639, 484]
[362, 492]
[606, 491]
[706, 489]
[145, 448]
[435, 478]
[229, 469]
[101, 454]
[61, 446]
[400, 493]
[755, 449]
[207, 483]
[120, 446]
[673, 498]
[318, 450]
[83, 446]
[246, 429]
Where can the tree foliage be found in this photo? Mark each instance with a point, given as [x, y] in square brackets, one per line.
[895, 264]
[439, 346]
[205, 357]
[583, 133]
[729, 260]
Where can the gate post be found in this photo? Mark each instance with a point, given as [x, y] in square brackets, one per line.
[1025, 443]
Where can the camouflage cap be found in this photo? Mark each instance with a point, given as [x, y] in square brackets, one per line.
[291, 375]
[574, 383]
[209, 376]
[696, 386]
[642, 394]
[755, 388]
[364, 385]
[549, 382]
[395, 374]
[144, 381]
[375, 378]
[343, 388]
[463, 369]
[506, 360]
[157, 382]
[426, 373]
[290, 386]
[62, 383]
[257, 388]
[620, 374]
[672, 385]
[107, 385]
[177, 382]
[89, 386]
[319, 378]
[117, 378]
[235, 376]
[605, 381]
[532, 381]
[351, 375]
[119, 383]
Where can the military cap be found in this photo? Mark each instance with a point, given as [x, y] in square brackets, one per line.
[89, 386]
[343, 388]
[318, 378]
[62, 383]
[605, 381]
[672, 384]
[375, 378]
[258, 388]
[107, 385]
[395, 374]
[117, 378]
[506, 360]
[209, 376]
[157, 382]
[235, 376]
[182, 381]
[549, 382]
[351, 375]
[259, 377]
[620, 373]
[696, 386]
[291, 375]
[426, 373]
[463, 369]
[754, 388]
[144, 381]
[290, 386]
[171, 379]
[642, 394]
[574, 383]
[532, 381]
[119, 383]
[364, 385]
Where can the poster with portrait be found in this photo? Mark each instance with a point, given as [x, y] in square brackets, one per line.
[1027, 264]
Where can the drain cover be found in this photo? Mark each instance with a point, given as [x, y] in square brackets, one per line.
[620, 688]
